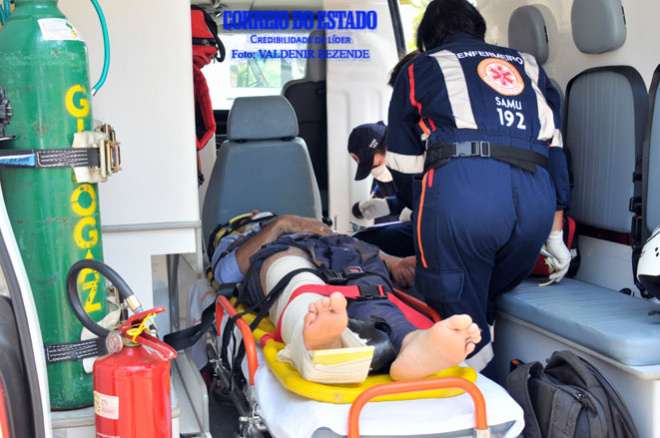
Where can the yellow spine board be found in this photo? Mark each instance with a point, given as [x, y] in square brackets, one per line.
[341, 355]
[343, 393]
[347, 393]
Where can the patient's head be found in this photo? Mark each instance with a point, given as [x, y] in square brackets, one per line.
[250, 221]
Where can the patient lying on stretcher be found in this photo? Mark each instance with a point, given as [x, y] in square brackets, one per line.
[309, 321]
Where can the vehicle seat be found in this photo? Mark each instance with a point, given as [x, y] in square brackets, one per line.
[651, 184]
[606, 115]
[527, 33]
[308, 98]
[262, 165]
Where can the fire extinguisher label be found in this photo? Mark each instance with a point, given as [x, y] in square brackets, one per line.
[106, 406]
[57, 29]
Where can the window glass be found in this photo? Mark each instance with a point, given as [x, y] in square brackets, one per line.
[249, 71]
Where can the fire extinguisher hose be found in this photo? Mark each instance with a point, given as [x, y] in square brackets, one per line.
[125, 292]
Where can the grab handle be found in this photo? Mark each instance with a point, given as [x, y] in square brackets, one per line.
[481, 425]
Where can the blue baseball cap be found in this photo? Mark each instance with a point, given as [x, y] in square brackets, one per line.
[363, 143]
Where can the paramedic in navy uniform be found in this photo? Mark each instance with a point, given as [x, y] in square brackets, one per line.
[475, 149]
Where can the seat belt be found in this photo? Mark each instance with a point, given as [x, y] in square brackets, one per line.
[189, 336]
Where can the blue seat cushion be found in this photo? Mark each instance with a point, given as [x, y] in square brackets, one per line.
[606, 321]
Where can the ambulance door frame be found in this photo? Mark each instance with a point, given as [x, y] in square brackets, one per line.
[399, 37]
[358, 93]
[27, 322]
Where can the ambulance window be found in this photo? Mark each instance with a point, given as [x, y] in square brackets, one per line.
[411, 14]
[248, 70]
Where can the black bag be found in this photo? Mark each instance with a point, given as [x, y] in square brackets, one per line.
[569, 398]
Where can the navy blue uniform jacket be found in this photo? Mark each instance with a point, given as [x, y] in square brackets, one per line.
[469, 90]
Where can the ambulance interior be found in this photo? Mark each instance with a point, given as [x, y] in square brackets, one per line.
[602, 56]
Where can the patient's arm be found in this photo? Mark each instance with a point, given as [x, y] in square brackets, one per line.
[272, 231]
[402, 270]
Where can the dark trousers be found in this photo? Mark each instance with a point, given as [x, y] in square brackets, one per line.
[483, 223]
[385, 310]
[395, 239]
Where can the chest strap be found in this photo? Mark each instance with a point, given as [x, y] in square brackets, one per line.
[439, 154]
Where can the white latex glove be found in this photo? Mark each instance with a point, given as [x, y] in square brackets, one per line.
[406, 215]
[561, 256]
[373, 208]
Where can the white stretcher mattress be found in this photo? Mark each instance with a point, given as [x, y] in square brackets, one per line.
[289, 415]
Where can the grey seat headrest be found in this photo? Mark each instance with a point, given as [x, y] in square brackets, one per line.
[527, 32]
[261, 118]
[598, 26]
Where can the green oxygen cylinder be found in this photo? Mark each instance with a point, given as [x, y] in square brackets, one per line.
[44, 71]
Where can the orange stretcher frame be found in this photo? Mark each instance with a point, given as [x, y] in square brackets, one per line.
[223, 305]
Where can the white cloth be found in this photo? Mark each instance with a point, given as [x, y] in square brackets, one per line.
[109, 321]
[295, 352]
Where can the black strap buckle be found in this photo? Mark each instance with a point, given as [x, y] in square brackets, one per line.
[483, 148]
[351, 272]
[471, 149]
[368, 293]
[109, 154]
[635, 205]
[333, 277]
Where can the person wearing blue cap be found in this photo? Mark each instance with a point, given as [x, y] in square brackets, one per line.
[476, 151]
[367, 145]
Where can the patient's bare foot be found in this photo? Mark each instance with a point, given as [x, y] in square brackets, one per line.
[425, 352]
[324, 323]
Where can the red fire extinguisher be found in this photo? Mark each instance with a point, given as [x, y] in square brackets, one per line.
[132, 384]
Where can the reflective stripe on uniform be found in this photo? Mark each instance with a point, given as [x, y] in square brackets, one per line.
[420, 211]
[482, 358]
[557, 139]
[411, 164]
[546, 116]
[457, 89]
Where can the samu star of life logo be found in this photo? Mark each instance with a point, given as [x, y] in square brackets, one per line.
[501, 76]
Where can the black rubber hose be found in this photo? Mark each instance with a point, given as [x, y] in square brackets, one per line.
[72, 291]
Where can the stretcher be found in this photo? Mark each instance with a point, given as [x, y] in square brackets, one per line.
[458, 408]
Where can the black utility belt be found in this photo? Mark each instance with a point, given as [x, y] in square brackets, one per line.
[439, 154]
